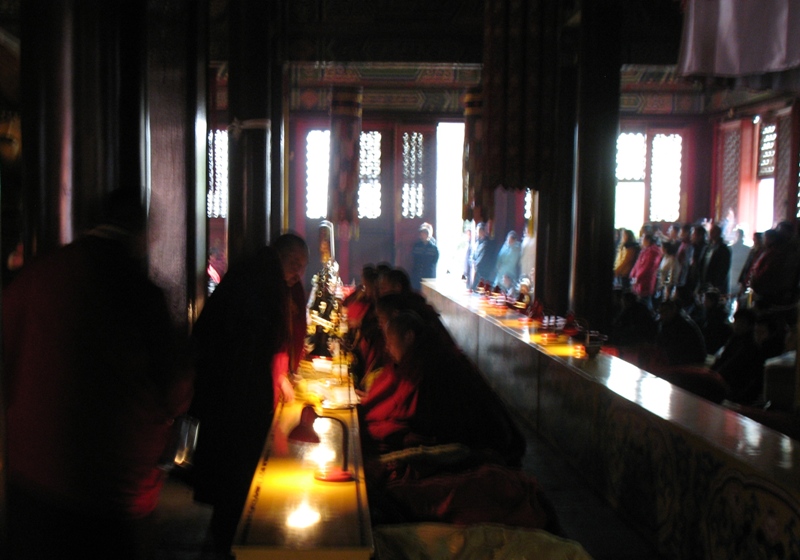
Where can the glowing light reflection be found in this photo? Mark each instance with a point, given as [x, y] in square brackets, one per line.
[322, 456]
[303, 516]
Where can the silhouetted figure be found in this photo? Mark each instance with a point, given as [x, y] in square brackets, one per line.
[95, 377]
[716, 327]
[741, 362]
[250, 330]
[679, 340]
[635, 324]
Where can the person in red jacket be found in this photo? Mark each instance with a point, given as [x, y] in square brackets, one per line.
[644, 273]
[93, 378]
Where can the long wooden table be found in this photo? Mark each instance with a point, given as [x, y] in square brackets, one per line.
[291, 515]
[699, 480]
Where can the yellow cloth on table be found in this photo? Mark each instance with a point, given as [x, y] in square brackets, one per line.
[438, 541]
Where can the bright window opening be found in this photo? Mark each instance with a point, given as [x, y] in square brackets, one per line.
[665, 182]
[449, 224]
[765, 205]
[318, 144]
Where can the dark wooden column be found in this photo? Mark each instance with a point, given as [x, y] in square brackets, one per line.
[177, 64]
[554, 220]
[249, 149]
[83, 112]
[597, 129]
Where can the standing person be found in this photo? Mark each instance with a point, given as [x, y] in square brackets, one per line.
[685, 253]
[246, 340]
[775, 275]
[483, 256]
[739, 254]
[94, 380]
[644, 273]
[527, 259]
[627, 251]
[714, 264]
[466, 273]
[744, 276]
[669, 271]
[698, 240]
[508, 260]
[425, 255]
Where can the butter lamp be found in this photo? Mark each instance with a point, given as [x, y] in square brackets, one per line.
[304, 433]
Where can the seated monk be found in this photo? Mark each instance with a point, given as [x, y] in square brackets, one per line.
[439, 445]
[434, 395]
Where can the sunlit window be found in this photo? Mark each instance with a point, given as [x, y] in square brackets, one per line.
[317, 162]
[631, 154]
[369, 188]
[648, 189]
[413, 162]
[217, 195]
[665, 178]
[765, 204]
[629, 205]
[766, 152]
[629, 198]
[318, 144]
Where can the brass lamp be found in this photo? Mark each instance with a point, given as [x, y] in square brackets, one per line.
[304, 433]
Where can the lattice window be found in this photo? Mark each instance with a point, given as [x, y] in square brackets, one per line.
[731, 162]
[528, 204]
[766, 150]
[217, 195]
[318, 144]
[369, 188]
[783, 167]
[413, 188]
[665, 182]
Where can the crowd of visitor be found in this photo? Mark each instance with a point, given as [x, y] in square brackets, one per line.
[704, 312]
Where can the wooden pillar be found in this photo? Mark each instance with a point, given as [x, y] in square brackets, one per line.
[553, 221]
[597, 129]
[249, 151]
[177, 152]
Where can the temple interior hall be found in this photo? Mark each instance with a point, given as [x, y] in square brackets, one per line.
[578, 128]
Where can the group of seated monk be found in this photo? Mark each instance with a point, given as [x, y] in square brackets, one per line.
[439, 445]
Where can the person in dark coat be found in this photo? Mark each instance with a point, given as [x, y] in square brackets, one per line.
[425, 256]
[714, 264]
[483, 256]
[245, 340]
[94, 376]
